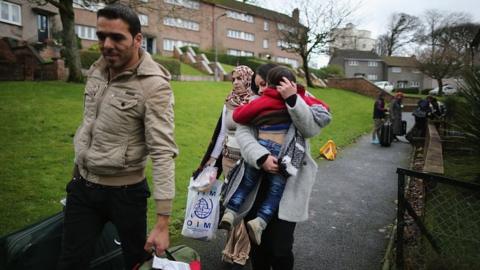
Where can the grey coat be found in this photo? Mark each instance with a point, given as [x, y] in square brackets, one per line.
[294, 203]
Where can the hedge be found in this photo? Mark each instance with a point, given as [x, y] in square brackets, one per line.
[232, 60]
[88, 58]
[172, 65]
[409, 90]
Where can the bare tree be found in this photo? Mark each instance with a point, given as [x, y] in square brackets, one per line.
[381, 46]
[315, 30]
[443, 52]
[67, 17]
[401, 31]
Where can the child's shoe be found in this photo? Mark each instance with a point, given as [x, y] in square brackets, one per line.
[226, 222]
[255, 229]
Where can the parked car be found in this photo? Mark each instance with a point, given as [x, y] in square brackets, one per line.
[446, 90]
[387, 86]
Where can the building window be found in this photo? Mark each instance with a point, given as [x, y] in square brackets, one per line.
[402, 84]
[372, 64]
[240, 35]
[169, 44]
[240, 16]
[396, 69]
[285, 60]
[364, 46]
[143, 19]
[284, 27]
[10, 13]
[414, 84]
[265, 26]
[359, 75]
[184, 3]
[239, 52]
[352, 62]
[181, 23]
[86, 32]
[372, 77]
[265, 43]
[286, 44]
[88, 5]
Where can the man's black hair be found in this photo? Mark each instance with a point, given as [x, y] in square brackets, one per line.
[124, 13]
[275, 76]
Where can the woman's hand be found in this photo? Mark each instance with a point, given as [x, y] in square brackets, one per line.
[287, 88]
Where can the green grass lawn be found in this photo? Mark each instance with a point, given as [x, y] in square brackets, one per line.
[228, 68]
[189, 70]
[39, 120]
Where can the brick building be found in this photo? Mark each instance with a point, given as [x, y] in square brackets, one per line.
[240, 29]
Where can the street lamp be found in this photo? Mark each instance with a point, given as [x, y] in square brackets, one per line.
[215, 44]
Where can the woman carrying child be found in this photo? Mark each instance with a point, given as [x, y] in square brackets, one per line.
[272, 135]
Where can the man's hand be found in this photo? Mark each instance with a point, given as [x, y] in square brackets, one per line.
[159, 237]
[287, 88]
[270, 165]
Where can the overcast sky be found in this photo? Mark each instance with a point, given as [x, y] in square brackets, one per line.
[373, 15]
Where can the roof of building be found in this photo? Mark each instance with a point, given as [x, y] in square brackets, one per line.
[400, 61]
[254, 10]
[355, 54]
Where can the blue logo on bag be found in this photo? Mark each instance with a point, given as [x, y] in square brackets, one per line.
[203, 208]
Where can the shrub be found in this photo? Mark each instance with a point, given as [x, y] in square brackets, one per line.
[331, 71]
[425, 91]
[171, 64]
[88, 58]
[195, 49]
[249, 61]
[468, 110]
[408, 90]
[94, 48]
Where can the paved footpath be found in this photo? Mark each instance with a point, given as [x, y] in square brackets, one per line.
[351, 205]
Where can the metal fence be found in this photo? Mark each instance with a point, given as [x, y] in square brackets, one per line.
[438, 222]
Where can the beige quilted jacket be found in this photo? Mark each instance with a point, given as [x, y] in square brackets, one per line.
[125, 120]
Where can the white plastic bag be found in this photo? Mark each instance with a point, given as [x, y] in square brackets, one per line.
[165, 264]
[205, 179]
[202, 212]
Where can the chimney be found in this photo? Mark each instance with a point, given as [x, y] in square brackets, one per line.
[296, 14]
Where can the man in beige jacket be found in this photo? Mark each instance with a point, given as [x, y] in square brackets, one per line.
[128, 115]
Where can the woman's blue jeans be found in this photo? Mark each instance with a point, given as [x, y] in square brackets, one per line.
[276, 185]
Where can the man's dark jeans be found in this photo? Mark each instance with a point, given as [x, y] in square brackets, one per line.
[89, 207]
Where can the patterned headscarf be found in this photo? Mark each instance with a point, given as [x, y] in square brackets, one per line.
[239, 97]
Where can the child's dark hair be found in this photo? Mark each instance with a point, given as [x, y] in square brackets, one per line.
[275, 76]
[124, 13]
[263, 70]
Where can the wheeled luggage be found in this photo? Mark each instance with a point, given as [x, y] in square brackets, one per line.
[386, 134]
[38, 247]
[404, 128]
